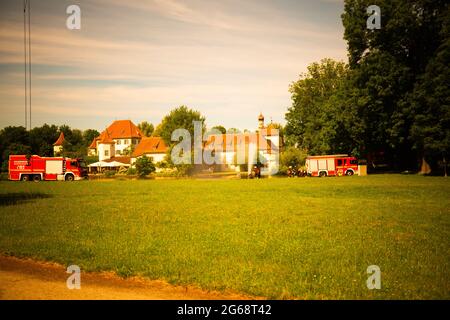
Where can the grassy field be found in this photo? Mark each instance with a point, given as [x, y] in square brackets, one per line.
[280, 238]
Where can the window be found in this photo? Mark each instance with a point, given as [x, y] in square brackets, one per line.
[354, 161]
[339, 162]
[125, 141]
[117, 152]
[73, 164]
[106, 153]
[118, 141]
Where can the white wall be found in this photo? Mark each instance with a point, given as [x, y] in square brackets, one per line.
[157, 157]
[101, 151]
[122, 146]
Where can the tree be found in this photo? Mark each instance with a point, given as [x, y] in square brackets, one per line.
[42, 139]
[233, 130]
[395, 82]
[89, 135]
[220, 128]
[14, 148]
[320, 119]
[144, 166]
[146, 128]
[12, 135]
[292, 157]
[179, 118]
[430, 107]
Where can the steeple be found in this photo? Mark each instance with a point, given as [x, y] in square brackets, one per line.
[261, 121]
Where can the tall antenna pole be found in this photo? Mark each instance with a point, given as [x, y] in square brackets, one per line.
[25, 58]
[29, 53]
[27, 63]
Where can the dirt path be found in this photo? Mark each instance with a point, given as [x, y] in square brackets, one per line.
[28, 279]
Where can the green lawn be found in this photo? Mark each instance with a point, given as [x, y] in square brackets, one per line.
[280, 238]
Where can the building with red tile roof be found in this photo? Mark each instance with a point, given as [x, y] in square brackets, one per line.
[119, 138]
[58, 145]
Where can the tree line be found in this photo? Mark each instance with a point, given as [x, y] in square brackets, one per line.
[40, 140]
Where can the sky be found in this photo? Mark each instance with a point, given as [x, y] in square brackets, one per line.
[137, 60]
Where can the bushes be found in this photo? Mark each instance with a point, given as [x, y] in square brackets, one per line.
[131, 171]
[144, 166]
[110, 173]
[292, 157]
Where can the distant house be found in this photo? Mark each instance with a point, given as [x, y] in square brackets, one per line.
[122, 143]
[234, 150]
[118, 140]
[58, 145]
[151, 147]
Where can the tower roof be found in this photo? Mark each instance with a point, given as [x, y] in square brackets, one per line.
[60, 140]
[261, 117]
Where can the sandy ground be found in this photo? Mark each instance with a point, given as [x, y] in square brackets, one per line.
[32, 280]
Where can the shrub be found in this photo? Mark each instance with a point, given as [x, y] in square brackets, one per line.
[144, 166]
[292, 157]
[131, 171]
[110, 173]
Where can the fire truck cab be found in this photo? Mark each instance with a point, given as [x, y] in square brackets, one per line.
[36, 168]
[331, 165]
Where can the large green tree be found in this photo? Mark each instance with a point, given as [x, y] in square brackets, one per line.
[146, 128]
[396, 76]
[42, 139]
[320, 119]
[179, 118]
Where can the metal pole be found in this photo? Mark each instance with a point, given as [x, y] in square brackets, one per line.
[29, 53]
[25, 59]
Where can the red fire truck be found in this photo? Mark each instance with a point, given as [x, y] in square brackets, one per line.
[331, 165]
[36, 168]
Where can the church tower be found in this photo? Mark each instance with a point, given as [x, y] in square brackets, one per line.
[261, 121]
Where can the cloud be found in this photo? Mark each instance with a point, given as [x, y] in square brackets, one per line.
[230, 59]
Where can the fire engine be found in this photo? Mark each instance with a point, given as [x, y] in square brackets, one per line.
[331, 165]
[36, 168]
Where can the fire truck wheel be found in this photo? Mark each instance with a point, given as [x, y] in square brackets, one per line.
[69, 177]
[36, 178]
[349, 173]
[25, 177]
[322, 174]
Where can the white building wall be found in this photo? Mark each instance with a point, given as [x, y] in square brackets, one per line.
[157, 157]
[101, 151]
[122, 144]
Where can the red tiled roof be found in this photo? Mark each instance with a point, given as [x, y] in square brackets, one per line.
[121, 129]
[60, 140]
[121, 159]
[93, 144]
[105, 137]
[224, 142]
[150, 145]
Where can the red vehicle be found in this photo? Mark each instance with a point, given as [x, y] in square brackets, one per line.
[331, 165]
[36, 168]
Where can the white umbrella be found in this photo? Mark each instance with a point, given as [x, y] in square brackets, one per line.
[98, 164]
[117, 164]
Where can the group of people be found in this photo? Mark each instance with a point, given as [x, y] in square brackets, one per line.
[294, 172]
